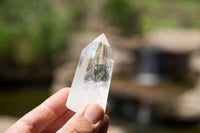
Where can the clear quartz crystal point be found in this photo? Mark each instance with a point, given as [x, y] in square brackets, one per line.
[93, 75]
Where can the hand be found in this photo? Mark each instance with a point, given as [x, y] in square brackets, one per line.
[52, 115]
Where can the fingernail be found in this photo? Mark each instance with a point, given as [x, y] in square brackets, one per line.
[94, 113]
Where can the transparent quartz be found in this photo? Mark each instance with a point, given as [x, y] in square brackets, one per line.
[92, 78]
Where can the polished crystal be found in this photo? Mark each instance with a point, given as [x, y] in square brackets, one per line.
[92, 78]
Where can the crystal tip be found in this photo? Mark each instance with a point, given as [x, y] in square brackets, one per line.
[102, 38]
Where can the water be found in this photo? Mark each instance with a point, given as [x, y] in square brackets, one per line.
[135, 117]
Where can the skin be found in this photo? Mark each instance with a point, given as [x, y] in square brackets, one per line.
[52, 115]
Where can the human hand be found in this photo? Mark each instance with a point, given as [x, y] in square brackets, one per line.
[52, 115]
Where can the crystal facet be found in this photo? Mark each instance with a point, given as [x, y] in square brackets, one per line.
[93, 75]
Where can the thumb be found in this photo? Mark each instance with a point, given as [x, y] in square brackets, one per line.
[86, 120]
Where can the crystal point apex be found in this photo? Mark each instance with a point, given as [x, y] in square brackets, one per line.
[102, 38]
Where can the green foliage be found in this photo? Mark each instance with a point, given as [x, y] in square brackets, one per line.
[33, 31]
[136, 16]
[171, 13]
[8, 36]
[121, 13]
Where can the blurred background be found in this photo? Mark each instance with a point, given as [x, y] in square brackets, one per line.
[156, 80]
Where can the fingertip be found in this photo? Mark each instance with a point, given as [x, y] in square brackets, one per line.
[107, 118]
[89, 117]
[103, 128]
[107, 108]
[94, 113]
